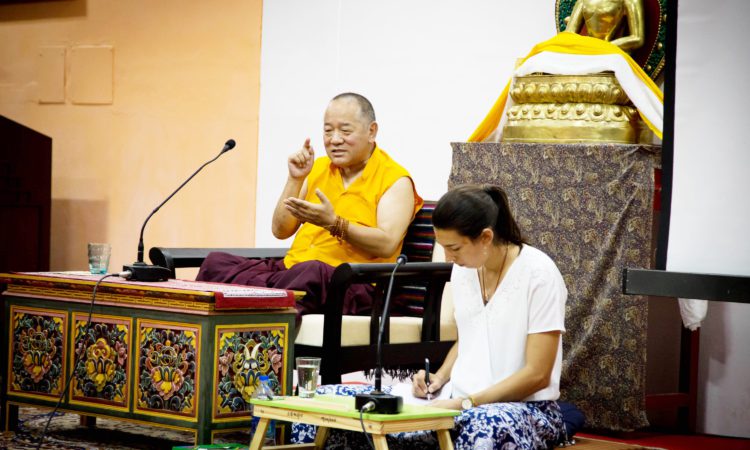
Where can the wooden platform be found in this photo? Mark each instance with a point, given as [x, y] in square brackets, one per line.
[598, 444]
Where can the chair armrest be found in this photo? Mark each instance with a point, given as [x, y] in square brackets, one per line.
[412, 271]
[435, 274]
[174, 258]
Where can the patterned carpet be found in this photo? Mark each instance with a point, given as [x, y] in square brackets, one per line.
[66, 433]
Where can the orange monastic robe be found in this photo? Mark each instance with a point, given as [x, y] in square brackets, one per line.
[358, 203]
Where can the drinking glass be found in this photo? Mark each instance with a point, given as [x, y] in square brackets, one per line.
[99, 257]
[308, 369]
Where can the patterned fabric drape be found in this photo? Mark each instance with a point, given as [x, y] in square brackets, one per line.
[589, 207]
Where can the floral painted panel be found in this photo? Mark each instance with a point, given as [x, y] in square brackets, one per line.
[101, 355]
[589, 207]
[37, 342]
[243, 354]
[168, 358]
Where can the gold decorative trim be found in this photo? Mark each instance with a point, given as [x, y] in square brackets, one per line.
[556, 131]
[586, 112]
[102, 297]
[105, 284]
[599, 88]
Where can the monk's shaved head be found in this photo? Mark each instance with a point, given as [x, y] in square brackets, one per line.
[367, 113]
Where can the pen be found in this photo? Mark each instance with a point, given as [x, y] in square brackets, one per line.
[427, 377]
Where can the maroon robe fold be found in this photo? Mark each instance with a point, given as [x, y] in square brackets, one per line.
[312, 277]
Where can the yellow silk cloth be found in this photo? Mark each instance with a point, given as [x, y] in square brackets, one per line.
[574, 44]
[358, 203]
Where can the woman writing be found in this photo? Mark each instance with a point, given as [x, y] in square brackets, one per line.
[505, 367]
[509, 307]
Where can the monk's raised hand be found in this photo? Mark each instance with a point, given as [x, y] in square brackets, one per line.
[300, 162]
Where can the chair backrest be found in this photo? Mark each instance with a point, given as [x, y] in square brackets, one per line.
[419, 241]
[419, 244]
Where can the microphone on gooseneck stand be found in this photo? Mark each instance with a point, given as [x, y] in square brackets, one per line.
[139, 270]
[377, 401]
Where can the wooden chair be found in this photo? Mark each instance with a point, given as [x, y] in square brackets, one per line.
[348, 343]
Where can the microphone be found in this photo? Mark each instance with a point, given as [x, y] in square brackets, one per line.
[228, 145]
[377, 401]
[139, 270]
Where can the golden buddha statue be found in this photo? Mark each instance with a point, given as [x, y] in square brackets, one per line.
[567, 89]
[604, 19]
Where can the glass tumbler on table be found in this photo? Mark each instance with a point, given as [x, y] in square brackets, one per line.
[308, 369]
[99, 258]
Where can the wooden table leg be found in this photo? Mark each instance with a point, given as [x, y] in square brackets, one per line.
[11, 418]
[320, 437]
[87, 421]
[444, 439]
[379, 441]
[260, 432]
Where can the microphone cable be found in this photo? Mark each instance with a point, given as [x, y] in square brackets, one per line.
[367, 407]
[74, 369]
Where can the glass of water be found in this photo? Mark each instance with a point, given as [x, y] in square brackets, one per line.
[99, 257]
[308, 369]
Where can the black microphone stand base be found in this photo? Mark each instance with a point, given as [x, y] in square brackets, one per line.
[384, 403]
[140, 271]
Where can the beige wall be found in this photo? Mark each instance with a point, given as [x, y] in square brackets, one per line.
[185, 78]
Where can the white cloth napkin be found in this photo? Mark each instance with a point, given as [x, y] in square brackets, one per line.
[693, 312]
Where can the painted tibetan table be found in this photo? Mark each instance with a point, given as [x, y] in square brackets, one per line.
[156, 353]
[338, 412]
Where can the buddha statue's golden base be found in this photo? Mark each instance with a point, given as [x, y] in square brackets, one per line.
[572, 108]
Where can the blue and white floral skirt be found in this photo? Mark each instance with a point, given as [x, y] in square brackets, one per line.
[509, 425]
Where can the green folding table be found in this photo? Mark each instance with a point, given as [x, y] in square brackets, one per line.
[335, 411]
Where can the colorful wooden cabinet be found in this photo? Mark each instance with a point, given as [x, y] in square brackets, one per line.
[155, 353]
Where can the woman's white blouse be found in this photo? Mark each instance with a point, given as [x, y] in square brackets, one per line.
[492, 338]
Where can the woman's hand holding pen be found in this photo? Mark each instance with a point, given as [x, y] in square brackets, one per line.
[420, 388]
